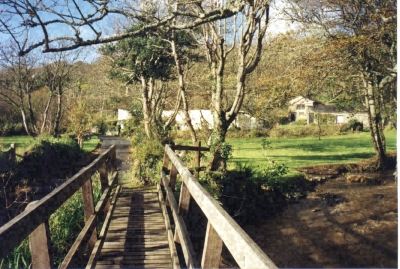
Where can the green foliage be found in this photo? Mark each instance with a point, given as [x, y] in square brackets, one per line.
[311, 130]
[148, 155]
[352, 125]
[299, 121]
[247, 190]
[67, 222]
[144, 55]
[20, 257]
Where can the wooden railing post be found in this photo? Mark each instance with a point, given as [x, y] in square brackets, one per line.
[212, 248]
[113, 161]
[88, 207]
[40, 245]
[196, 161]
[172, 177]
[104, 183]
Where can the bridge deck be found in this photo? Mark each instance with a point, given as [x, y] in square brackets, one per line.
[137, 236]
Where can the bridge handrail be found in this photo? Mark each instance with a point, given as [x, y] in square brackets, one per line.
[220, 226]
[37, 214]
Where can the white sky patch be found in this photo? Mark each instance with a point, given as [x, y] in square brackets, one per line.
[278, 24]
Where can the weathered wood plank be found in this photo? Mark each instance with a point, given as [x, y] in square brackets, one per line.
[212, 249]
[180, 227]
[88, 209]
[189, 148]
[174, 253]
[40, 245]
[244, 250]
[97, 248]
[136, 233]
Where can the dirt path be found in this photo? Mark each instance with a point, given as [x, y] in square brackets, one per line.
[341, 224]
[124, 156]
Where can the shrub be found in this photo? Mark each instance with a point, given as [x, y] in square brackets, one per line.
[352, 125]
[148, 155]
[49, 157]
[246, 190]
[299, 121]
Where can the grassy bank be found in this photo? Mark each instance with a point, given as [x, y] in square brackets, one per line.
[22, 143]
[297, 152]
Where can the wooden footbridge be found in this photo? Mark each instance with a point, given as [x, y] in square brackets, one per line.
[142, 228]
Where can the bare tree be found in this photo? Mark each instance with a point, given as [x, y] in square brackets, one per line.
[30, 23]
[19, 80]
[56, 76]
[245, 36]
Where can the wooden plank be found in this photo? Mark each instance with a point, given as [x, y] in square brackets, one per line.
[171, 243]
[212, 249]
[17, 229]
[184, 200]
[104, 185]
[99, 244]
[243, 249]
[189, 148]
[104, 200]
[40, 245]
[88, 210]
[172, 177]
[186, 243]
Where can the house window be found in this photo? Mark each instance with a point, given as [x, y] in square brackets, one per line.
[339, 119]
[300, 107]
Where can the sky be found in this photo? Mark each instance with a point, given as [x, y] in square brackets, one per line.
[89, 54]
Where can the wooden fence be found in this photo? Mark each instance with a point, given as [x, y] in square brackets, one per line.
[221, 228]
[33, 222]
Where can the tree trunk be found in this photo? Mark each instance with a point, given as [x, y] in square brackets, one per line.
[57, 118]
[146, 107]
[182, 89]
[377, 135]
[45, 113]
[24, 120]
[32, 120]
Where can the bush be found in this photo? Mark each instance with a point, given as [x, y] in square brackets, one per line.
[352, 125]
[246, 191]
[50, 157]
[148, 155]
[299, 121]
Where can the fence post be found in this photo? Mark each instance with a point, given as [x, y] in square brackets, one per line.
[165, 164]
[196, 161]
[172, 177]
[104, 183]
[113, 160]
[88, 208]
[40, 244]
[212, 248]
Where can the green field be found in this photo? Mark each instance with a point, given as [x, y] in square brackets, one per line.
[23, 142]
[297, 152]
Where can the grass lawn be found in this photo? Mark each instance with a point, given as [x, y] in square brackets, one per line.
[297, 152]
[90, 144]
[22, 142]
